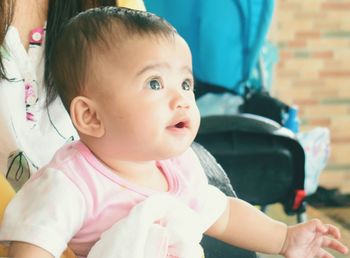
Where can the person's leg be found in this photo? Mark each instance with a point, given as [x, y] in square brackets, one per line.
[7, 193]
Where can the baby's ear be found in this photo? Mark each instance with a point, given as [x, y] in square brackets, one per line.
[85, 117]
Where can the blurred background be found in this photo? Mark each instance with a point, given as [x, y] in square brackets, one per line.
[313, 73]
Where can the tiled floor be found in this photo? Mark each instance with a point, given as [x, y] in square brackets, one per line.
[338, 216]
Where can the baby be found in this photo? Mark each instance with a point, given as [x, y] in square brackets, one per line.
[125, 77]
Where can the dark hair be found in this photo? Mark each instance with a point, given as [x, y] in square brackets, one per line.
[6, 14]
[90, 33]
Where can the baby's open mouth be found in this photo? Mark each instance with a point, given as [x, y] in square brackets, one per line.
[180, 125]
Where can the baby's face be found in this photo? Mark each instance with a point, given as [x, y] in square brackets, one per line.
[145, 99]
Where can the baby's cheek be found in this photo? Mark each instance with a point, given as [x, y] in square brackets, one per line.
[196, 118]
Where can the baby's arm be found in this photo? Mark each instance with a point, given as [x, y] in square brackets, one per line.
[245, 226]
[24, 250]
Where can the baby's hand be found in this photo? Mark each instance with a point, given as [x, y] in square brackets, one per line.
[309, 240]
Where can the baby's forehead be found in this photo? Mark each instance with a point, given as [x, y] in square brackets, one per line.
[120, 45]
[133, 53]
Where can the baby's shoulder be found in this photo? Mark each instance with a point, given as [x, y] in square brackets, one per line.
[67, 166]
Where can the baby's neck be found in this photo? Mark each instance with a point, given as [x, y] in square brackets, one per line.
[146, 174]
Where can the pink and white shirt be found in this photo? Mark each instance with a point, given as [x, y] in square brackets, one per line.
[75, 198]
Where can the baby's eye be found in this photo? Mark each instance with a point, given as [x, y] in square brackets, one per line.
[155, 85]
[187, 85]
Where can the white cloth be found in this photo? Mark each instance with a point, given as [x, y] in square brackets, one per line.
[139, 235]
[30, 134]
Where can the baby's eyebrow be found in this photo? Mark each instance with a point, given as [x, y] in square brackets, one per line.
[155, 66]
[152, 67]
[187, 69]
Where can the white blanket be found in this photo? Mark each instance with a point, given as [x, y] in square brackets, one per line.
[159, 227]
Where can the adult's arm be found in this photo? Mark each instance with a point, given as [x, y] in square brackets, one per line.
[25, 250]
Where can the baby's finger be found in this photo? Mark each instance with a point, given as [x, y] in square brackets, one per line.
[320, 227]
[324, 254]
[333, 231]
[334, 244]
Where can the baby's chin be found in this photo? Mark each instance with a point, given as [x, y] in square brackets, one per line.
[173, 152]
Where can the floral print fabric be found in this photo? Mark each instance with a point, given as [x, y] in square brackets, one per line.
[30, 133]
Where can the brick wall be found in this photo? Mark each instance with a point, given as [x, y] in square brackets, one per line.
[313, 72]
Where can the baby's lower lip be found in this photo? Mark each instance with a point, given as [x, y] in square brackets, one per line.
[176, 128]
